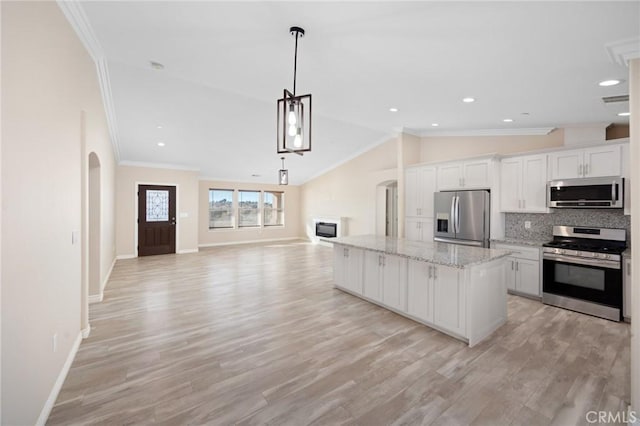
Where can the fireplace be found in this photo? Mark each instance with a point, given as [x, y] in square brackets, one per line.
[326, 229]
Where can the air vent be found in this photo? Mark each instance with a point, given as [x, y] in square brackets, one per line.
[615, 99]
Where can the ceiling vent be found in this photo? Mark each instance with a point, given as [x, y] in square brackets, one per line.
[615, 99]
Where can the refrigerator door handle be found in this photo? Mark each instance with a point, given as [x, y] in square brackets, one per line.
[457, 215]
[453, 214]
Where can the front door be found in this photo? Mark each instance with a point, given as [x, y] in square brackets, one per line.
[156, 219]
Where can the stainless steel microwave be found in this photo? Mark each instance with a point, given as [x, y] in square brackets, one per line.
[586, 193]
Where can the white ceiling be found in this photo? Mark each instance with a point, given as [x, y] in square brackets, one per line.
[226, 63]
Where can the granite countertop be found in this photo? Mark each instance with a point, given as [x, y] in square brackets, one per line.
[454, 255]
[521, 242]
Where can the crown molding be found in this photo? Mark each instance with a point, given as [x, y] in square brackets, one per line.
[534, 131]
[622, 51]
[158, 166]
[73, 11]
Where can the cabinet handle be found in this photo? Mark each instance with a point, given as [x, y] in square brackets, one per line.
[345, 253]
[516, 266]
[430, 274]
[435, 273]
[580, 170]
[512, 265]
[586, 169]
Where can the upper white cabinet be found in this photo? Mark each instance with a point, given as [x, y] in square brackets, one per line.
[420, 184]
[523, 183]
[473, 174]
[588, 162]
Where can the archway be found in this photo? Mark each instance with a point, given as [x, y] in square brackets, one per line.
[387, 208]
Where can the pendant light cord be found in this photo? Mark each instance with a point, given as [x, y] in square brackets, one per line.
[295, 64]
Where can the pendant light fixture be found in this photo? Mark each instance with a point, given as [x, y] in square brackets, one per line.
[294, 113]
[284, 174]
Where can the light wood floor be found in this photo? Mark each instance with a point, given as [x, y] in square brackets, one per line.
[257, 335]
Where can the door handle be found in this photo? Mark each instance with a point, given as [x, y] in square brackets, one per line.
[173, 220]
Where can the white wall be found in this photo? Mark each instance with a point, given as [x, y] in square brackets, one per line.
[48, 79]
[349, 190]
[127, 180]
[634, 102]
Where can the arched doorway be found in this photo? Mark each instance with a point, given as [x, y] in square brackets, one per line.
[95, 286]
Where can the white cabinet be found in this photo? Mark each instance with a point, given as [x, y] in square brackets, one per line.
[420, 184]
[588, 162]
[523, 269]
[523, 184]
[626, 297]
[474, 174]
[449, 292]
[385, 279]
[347, 268]
[420, 290]
[419, 229]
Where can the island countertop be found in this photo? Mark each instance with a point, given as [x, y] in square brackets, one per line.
[454, 255]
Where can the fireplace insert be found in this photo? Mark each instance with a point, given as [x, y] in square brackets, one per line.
[326, 229]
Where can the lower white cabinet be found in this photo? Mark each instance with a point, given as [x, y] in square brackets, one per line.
[420, 290]
[626, 280]
[523, 269]
[467, 303]
[385, 279]
[449, 291]
[347, 268]
[418, 229]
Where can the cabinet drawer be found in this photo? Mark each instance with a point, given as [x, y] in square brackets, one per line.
[520, 252]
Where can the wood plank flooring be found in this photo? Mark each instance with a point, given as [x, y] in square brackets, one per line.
[254, 335]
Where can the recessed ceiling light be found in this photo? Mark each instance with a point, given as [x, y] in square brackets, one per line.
[159, 127]
[434, 124]
[393, 109]
[606, 83]
[468, 100]
[624, 114]
[160, 143]
[156, 65]
[508, 120]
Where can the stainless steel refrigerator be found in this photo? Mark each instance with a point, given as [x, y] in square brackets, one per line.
[462, 217]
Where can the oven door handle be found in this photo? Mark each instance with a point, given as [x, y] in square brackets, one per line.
[599, 263]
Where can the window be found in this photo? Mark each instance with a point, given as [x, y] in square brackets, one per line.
[273, 208]
[220, 208]
[248, 209]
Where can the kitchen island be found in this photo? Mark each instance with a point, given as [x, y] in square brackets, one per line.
[458, 290]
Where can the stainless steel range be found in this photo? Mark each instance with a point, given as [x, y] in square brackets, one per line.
[582, 270]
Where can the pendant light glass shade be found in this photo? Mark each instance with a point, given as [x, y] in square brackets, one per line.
[283, 174]
[294, 113]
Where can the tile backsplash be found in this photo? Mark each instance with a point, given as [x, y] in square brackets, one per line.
[542, 223]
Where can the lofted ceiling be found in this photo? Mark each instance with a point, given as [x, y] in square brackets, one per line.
[226, 63]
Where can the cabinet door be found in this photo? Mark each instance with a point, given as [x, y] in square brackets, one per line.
[420, 290]
[449, 176]
[427, 229]
[353, 273]
[412, 192]
[394, 282]
[371, 275]
[510, 176]
[476, 174]
[534, 184]
[412, 229]
[602, 161]
[449, 300]
[339, 265]
[510, 272]
[427, 186]
[566, 164]
[528, 277]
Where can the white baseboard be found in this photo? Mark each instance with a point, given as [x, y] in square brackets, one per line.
[233, 243]
[126, 256]
[185, 251]
[53, 395]
[86, 332]
[96, 298]
[106, 278]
